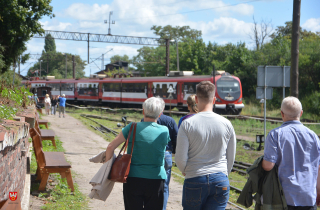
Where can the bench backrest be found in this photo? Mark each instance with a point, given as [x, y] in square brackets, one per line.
[37, 146]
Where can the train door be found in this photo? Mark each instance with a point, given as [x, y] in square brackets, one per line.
[180, 93]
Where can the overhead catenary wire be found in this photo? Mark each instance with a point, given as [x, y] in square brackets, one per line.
[192, 11]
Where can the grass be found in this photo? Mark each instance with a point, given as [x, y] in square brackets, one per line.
[60, 197]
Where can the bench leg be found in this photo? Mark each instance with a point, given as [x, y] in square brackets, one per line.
[38, 173]
[43, 183]
[69, 180]
[47, 125]
[63, 175]
[54, 143]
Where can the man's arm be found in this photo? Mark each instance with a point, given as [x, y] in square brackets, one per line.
[318, 187]
[181, 156]
[267, 166]
[231, 151]
[270, 152]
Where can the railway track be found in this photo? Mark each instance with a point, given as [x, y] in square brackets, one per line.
[240, 117]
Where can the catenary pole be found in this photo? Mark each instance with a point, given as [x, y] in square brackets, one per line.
[294, 80]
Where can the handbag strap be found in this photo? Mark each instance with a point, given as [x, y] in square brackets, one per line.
[124, 147]
[134, 137]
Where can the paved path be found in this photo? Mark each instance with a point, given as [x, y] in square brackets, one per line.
[80, 144]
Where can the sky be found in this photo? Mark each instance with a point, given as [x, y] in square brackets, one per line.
[221, 21]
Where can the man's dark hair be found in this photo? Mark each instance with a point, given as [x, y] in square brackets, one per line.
[206, 91]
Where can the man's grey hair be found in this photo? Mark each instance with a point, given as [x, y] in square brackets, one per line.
[153, 107]
[291, 107]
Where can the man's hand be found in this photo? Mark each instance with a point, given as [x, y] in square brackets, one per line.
[318, 199]
[184, 174]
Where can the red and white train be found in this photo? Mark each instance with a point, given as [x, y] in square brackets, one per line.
[135, 90]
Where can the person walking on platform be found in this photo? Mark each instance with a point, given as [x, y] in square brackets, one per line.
[36, 99]
[192, 107]
[47, 103]
[170, 149]
[295, 150]
[206, 147]
[54, 105]
[145, 182]
[62, 104]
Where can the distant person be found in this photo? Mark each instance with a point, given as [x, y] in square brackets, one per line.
[47, 103]
[36, 99]
[145, 183]
[192, 107]
[206, 148]
[54, 102]
[170, 149]
[295, 150]
[62, 105]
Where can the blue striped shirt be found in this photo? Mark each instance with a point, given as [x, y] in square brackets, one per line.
[295, 149]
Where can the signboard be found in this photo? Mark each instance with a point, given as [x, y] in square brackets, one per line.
[260, 93]
[275, 76]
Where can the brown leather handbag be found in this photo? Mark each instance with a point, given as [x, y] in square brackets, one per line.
[121, 166]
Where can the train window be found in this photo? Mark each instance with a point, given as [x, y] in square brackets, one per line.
[164, 89]
[228, 86]
[111, 87]
[88, 89]
[54, 86]
[190, 87]
[136, 88]
[67, 86]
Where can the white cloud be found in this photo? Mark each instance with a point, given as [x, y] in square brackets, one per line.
[312, 24]
[55, 25]
[81, 11]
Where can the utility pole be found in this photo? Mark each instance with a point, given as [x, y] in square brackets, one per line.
[40, 67]
[110, 22]
[167, 56]
[47, 64]
[178, 69]
[102, 62]
[294, 80]
[73, 67]
[66, 65]
[19, 60]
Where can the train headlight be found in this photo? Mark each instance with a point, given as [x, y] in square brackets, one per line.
[240, 99]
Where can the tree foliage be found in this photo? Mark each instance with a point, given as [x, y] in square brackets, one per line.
[19, 21]
[116, 58]
[49, 44]
[176, 33]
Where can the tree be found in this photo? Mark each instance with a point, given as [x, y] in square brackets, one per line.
[260, 32]
[49, 44]
[57, 66]
[176, 33]
[19, 21]
[116, 58]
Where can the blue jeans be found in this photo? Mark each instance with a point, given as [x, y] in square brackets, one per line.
[208, 192]
[167, 166]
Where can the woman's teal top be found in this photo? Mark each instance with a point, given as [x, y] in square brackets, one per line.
[148, 150]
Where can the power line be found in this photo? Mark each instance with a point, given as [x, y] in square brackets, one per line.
[230, 5]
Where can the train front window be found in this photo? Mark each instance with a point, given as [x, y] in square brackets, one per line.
[228, 86]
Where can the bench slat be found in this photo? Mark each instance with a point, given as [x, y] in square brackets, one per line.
[47, 133]
[55, 160]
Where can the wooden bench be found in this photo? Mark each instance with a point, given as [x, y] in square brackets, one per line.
[41, 122]
[46, 134]
[49, 162]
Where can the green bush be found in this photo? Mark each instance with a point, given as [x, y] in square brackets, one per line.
[311, 103]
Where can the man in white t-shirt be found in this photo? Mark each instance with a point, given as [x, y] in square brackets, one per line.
[205, 152]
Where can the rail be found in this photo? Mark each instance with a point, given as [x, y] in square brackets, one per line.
[241, 117]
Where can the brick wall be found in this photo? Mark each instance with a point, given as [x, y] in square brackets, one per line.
[14, 144]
